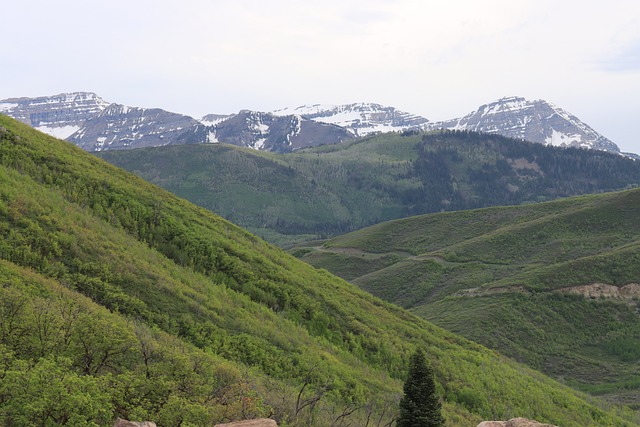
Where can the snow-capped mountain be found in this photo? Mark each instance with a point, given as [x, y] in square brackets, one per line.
[59, 115]
[536, 121]
[93, 124]
[96, 125]
[119, 127]
[270, 132]
[361, 119]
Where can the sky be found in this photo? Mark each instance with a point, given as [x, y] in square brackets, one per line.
[436, 58]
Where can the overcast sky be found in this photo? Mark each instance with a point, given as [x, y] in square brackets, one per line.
[439, 59]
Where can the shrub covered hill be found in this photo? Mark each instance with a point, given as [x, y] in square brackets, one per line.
[330, 190]
[119, 299]
[555, 285]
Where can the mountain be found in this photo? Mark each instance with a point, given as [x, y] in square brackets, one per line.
[554, 285]
[59, 115]
[119, 299]
[270, 132]
[360, 119]
[97, 125]
[332, 189]
[536, 121]
[117, 127]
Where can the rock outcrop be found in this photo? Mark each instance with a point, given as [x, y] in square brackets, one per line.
[125, 423]
[514, 422]
[602, 290]
[260, 422]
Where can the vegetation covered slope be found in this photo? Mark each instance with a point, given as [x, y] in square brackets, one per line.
[334, 189]
[119, 299]
[553, 285]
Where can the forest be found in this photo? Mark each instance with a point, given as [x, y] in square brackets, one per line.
[324, 191]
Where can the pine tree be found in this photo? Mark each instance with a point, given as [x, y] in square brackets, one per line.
[420, 406]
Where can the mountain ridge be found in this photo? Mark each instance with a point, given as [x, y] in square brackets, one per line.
[361, 119]
[294, 128]
[536, 121]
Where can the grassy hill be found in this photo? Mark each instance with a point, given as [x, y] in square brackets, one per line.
[526, 280]
[120, 299]
[333, 189]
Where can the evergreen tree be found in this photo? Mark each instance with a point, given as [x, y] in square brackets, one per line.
[420, 407]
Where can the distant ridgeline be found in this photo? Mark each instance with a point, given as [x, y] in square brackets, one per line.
[97, 125]
[332, 189]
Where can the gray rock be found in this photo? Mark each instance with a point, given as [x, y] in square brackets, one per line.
[125, 423]
[514, 422]
[261, 422]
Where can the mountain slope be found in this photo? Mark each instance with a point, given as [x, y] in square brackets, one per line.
[269, 132]
[330, 190]
[360, 119]
[60, 115]
[554, 285]
[536, 121]
[209, 322]
[118, 127]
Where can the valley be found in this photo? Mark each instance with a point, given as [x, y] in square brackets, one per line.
[121, 299]
[553, 285]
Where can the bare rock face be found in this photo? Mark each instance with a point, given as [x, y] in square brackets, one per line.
[514, 422]
[260, 422]
[601, 290]
[359, 119]
[125, 423]
[272, 132]
[59, 115]
[118, 127]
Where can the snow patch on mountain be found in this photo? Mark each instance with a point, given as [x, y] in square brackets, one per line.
[7, 107]
[559, 139]
[60, 132]
[214, 119]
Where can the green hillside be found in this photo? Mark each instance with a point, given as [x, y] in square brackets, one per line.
[120, 299]
[333, 189]
[527, 281]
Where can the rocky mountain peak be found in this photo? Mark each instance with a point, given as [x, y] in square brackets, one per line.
[274, 132]
[58, 115]
[537, 121]
[359, 118]
[121, 127]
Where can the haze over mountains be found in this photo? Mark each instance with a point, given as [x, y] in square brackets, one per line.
[97, 125]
